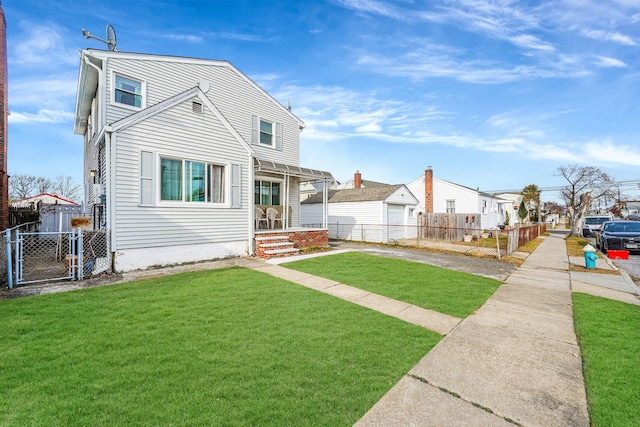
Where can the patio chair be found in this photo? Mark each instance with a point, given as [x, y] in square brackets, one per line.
[272, 216]
[260, 218]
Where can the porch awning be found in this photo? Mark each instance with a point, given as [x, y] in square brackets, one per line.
[297, 171]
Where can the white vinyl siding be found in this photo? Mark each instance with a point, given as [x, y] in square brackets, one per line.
[231, 92]
[177, 223]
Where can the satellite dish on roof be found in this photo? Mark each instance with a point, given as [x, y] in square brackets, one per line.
[111, 37]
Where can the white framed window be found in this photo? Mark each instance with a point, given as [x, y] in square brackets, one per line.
[192, 181]
[169, 180]
[267, 192]
[451, 206]
[128, 91]
[266, 133]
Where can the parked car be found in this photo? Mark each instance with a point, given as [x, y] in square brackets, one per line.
[619, 235]
[592, 223]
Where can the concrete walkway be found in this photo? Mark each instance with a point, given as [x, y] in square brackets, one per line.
[515, 361]
[433, 320]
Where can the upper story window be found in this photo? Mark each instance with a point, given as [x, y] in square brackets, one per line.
[128, 91]
[266, 133]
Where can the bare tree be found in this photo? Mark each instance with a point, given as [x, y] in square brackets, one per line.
[65, 187]
[43, 185]
[553, 207]
[21, 186]
[585, 185]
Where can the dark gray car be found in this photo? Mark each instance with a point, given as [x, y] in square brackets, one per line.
[619, 235]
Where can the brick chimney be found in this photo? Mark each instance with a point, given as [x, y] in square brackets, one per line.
[357, 180]
[4, 113]
[428, 190]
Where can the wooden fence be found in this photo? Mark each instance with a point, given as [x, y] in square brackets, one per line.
[449, 227]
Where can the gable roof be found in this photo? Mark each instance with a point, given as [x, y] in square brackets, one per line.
[365, 184]
[91, 67]
[355, 195]
[194, 92]
[50, 198]
[475, 190]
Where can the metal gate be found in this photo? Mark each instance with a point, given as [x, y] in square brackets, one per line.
[34, 257]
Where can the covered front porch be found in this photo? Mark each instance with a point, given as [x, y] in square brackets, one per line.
[276, 226]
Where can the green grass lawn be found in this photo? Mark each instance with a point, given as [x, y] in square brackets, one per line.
[447, 291]
[609, 335]
[223, 347]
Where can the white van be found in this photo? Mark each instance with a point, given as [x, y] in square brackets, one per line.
[592, 223]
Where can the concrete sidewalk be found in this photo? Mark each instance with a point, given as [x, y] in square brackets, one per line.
[516, 360]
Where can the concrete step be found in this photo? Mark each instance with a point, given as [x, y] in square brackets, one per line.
[292, 251]
[276, 245]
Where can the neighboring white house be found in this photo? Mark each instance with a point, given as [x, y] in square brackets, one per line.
[513, 204]
[439, 196]
[384, 213]
[178, 151]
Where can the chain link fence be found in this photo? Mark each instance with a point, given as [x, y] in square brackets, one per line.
[490, 242]
[31, 257]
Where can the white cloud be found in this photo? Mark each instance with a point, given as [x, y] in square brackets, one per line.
[42, 92]
[42, 44]
[608, 152]
[42, 116]
[374, 7]
[369, 128]
[531, 42]
[606, 62]
[612, 36]
[501, 120]
[185, 37]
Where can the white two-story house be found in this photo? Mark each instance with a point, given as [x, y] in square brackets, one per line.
[181, 154]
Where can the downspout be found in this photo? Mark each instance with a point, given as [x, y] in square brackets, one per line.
[101, 87]
[252, 212]
[109, 146]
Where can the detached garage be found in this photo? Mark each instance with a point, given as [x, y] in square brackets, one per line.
[380, 214]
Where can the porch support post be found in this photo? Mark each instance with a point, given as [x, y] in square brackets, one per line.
[285, 211]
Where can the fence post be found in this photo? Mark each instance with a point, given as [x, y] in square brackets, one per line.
[498, 242]
[7, 237]
[80, 271]
[337, 230]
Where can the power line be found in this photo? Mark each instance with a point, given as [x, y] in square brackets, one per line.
[629, 184]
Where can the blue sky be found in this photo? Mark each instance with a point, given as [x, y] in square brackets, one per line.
[491, 94]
